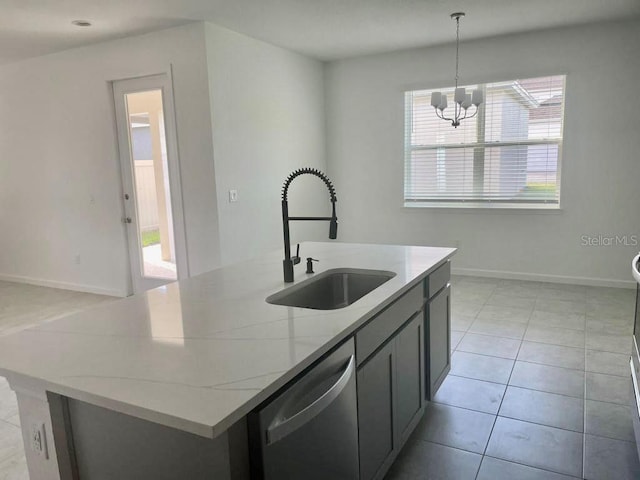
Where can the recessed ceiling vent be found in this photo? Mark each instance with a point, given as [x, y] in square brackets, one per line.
[81, 23]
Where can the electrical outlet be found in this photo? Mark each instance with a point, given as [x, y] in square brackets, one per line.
[39, 440]
[233, 196]
[77, 259]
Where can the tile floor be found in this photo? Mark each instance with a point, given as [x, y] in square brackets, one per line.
[22, 306]
[539, 387]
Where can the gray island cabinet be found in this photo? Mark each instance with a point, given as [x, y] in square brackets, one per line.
[437, 328]
[403, 357]
[160, 385]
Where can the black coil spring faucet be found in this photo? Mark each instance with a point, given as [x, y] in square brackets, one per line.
[289, 262]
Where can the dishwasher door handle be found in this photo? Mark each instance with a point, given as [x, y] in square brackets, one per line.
[280, 429]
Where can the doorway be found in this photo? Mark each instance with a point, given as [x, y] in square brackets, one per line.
[151, 181]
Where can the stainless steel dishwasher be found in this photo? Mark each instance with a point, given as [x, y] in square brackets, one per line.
[310, 430]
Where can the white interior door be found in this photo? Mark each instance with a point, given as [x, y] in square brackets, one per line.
[151, 181]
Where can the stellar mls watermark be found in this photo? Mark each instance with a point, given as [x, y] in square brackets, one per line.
[609, 240]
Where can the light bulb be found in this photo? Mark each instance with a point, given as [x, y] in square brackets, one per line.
[477, 97]
[443, 102]
[435, 99]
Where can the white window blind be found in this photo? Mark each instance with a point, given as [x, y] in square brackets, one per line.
[507, 155]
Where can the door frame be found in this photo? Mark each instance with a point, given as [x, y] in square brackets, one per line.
[163, 82]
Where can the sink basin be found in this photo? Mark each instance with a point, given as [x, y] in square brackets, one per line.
[332, 289]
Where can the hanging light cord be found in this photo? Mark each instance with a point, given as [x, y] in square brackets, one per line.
[457, 110]
[457, 47]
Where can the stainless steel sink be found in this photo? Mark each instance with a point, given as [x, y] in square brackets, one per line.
[332, 289]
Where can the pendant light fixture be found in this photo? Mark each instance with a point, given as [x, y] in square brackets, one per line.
[462, 99]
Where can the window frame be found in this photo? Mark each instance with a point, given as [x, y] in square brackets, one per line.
[481, 145]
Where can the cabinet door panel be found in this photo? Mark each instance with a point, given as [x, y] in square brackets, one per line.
[438, 340]
[409, 374]
[375, 411]
[438, 279]
[382, 327]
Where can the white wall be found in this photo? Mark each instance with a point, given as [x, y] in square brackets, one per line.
[600, 163]
[259, 111]
[267, 108]
[59, 173]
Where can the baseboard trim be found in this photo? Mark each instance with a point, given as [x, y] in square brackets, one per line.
[537, 277]
[63, 285]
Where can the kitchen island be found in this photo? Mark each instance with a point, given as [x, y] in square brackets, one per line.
[189, 361]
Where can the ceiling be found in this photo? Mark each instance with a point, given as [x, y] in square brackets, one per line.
[324, 29]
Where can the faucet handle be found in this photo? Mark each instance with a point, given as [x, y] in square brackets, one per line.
[310, 264]
[296, 259]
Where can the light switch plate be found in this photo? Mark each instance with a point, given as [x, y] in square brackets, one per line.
[39, 440]
[233, 196]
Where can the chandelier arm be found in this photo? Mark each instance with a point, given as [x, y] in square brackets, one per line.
[466, 114]
[441, 116]
[474, 114]
[469, 116]
[446, 118]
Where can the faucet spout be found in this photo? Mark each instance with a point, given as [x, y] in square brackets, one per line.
[289, 261]
[333, 224]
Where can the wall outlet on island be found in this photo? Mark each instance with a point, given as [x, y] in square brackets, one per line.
[39, 440]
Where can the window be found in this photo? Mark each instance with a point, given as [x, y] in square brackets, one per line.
[508, 155]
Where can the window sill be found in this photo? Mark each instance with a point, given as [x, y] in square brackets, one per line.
[482, 206]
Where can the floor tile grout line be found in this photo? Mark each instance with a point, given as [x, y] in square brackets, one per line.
[475, 318]
[571, 396]
[496, 414]
[477, 379]
[630, 442]
[549, 365]
[504, 394]
[481, 379]
[547, 392]
[482, 457]
[486, 355]
[495, 419]
[449, 446]
[537, 389]
[523, 339]
[462, 408]
[543, 325]
[543, 424]
[531, 466]
[552, 366]
[5, 422]
[610, 438]
[584, 415]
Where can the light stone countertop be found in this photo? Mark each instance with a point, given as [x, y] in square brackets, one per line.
[201, 353]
